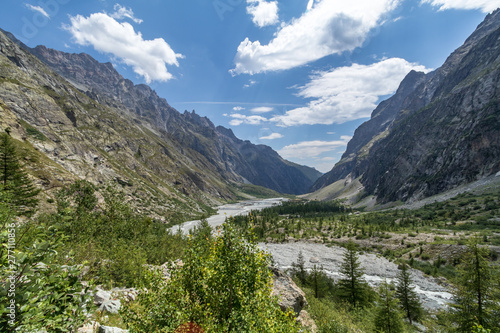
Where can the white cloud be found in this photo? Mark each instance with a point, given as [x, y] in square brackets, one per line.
[239, 119]
[263, 13]
[485, 6]
[347, 93]
[272, 136]
[124, 12]
[148, 58]
[312, 149]
[238, 108]
[249, 84]
[310, 5]
[330, 27]
[262, 109]
[38, 9]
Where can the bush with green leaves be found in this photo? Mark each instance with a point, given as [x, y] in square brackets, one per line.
[223, 284]
[47, 296]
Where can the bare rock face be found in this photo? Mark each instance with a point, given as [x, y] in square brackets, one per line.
[289, 294]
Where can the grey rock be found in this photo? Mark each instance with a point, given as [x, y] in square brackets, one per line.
[111, 306]
[289, 294]
[101, 296]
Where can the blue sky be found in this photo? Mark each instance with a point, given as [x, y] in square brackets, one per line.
[297, 75]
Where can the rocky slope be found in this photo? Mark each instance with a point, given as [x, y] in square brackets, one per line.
[233, 158]
[440, 130]
[86, 121]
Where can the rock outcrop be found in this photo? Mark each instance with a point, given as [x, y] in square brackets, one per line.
[291, 297]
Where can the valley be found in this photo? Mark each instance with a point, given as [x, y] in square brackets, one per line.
[104, 186]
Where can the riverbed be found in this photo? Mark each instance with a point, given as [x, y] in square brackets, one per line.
[225, 211]
[377, 269]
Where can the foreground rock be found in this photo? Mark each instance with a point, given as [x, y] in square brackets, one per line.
[289, 294]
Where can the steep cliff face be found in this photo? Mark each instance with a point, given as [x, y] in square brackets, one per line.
[438, 131]
[94, 124]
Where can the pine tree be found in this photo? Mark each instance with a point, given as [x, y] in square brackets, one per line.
[476, 294]
[353, 286]
[388, 318]
[14, 179]
[318, 281]
[410, 303]
[299, 269]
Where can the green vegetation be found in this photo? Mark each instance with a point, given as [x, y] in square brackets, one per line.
[476, 296]
[352, 286]
[35, 291]
[223, 285]
[408, 298]
[14, 180]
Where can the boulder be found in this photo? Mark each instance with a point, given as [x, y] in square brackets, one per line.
[289, 294]
[101, 296]
[111, 306]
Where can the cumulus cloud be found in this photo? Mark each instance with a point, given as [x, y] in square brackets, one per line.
[347, 93]
[124, 12]
[272, 136]
[238, 108]
[38, 9]
[312, 149]
[262, 109]
[148, 58]
[263, 13]
[485, 6]
[239, 119]
[329, 27]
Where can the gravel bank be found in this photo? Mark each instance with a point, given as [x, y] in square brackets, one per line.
[377, 269]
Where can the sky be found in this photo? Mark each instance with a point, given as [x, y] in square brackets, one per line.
[297, 75]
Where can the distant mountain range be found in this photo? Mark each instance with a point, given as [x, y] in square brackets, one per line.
[440, 130]
[84, 120]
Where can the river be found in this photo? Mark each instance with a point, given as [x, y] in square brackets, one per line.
[236, 209]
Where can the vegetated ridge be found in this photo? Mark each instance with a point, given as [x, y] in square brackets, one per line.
[93, 124]
[440, 130]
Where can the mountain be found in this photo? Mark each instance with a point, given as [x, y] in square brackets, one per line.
[84, 120]
[438, 131]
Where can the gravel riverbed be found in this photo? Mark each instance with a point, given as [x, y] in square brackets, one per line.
[377, 269]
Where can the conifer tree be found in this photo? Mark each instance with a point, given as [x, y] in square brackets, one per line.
[475, 299]
[353, 286]
[408, 298]
[14, 179]
[388, 318]
[318, 281]
[299, 269]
